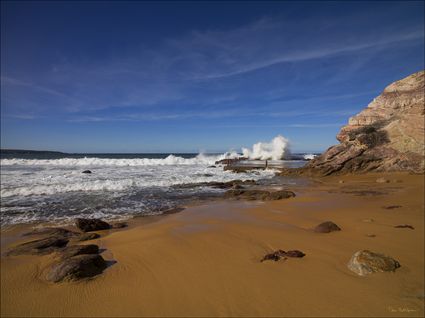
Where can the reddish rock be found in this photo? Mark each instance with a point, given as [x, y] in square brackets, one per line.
[388, 135]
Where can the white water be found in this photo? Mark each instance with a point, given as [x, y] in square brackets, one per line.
[276, 149]
[171, 160]
[309, 156]
[56, 189]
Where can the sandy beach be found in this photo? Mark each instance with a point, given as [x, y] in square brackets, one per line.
[205, 261]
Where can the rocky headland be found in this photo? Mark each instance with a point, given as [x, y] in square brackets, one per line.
[388, 135]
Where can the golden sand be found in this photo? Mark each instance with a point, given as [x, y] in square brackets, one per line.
[205, 261]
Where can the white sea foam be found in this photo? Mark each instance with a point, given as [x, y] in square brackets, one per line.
[91, 162]
[276, 149]
[309, 156]
[56, 189]
[48, 179]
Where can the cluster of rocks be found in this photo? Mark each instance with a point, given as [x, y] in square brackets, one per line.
[72, 262]
[362, 262]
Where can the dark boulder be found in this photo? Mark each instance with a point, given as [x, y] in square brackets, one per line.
[76, 268]
[42, 246]
[327, 227]
[75, 250]
[87, 171]
[88, 225]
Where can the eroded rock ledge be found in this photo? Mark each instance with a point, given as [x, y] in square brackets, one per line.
[388, 135]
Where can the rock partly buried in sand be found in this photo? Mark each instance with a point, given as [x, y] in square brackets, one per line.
[88, 225]
[382, 180]
[86, 171]
[75, 250]
[391, 207]
[119, 225]
[404, 226]
[88, 236]
[42, 246]
[281, 254]
[52, 231]
[327, 227]
[76, 267]
[366, 262]
[263, 195]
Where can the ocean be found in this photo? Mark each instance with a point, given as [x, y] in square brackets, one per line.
[50, 186]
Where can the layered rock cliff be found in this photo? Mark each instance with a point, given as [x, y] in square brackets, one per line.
[388, 135]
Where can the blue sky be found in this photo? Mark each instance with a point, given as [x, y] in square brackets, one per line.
[191, 76]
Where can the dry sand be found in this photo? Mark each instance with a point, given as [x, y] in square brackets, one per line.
[205, 261]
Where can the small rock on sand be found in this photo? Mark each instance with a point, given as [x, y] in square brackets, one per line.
[327, 227]
[281, 254]
[366, 262]
[404, 226]
[391, 207]
[87, 171]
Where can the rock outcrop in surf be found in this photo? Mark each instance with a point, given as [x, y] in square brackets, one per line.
[386, 136]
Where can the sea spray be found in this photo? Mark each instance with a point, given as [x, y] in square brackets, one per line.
[276, 149]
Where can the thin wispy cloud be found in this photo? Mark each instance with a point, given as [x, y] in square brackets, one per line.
[299, 66]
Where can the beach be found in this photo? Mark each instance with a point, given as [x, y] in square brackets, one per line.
[206, 260]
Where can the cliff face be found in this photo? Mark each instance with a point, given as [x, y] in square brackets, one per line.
[386, 136]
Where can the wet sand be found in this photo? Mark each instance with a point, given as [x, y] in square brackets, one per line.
[205, 261]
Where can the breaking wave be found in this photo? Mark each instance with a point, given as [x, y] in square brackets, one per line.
[276, 149]
[171, 160]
